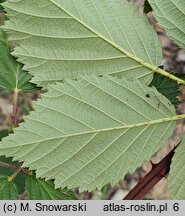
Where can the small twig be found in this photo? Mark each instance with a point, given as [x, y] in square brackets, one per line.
[158, 171]
[15, 108]
[14, 175]
[14, 167]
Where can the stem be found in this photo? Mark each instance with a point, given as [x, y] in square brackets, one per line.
[160, 71]
[14, 167]
[15, 108]
[158, 171]
[14, 175]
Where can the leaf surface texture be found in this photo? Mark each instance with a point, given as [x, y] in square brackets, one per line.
[176, 183]
[8, 190]
[93, 131]
[11, 74]
[62, 39]
[170, 15]
[38, 189]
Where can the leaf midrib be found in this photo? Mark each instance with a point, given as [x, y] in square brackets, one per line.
[141, 124]
[131, 56]
[135, 58]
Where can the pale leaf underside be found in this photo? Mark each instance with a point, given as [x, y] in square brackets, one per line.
[93, 131]
[170, 15]
[62, 39]
[176, 177]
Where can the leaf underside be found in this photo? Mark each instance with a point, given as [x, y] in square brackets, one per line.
[64, 39]
[95, 130]
[176, 183]
[170, 15]
[90, 132]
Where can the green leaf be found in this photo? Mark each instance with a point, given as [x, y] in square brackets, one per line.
[20, 178]
[1, 9]
[176, 183]
[11, 75]
[3, 36]
[93, 131]
[169, 88]
[8, 190]
[61, 39]
[38, 189]
[3, 133]
[171, 16]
